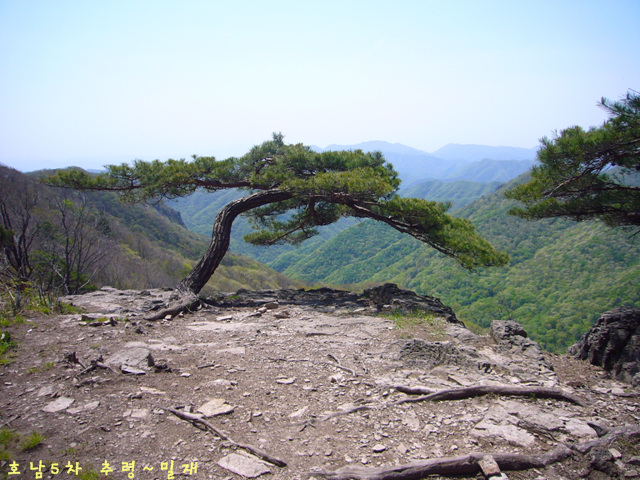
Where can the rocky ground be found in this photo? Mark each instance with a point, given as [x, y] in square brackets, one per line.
[315, 380]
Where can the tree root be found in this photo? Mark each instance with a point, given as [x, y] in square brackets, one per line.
[454, 394]
[196, 420]
[470, 464]
[186, 303]
[608, 438]
[447, 466]
[481, 390]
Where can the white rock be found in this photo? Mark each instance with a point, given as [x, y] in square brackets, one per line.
[299, 413]
[137, 356]
[85, 408]
[245, 465]
[58, 405]
[411, 421]
[509, 433]
[216, 406]
[579, 428]
[44, 391]
[286, 381]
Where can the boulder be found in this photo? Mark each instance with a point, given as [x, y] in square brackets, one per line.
[506, 331]
[512, 339]
[614, 344]
[387, 295]
[434, 354]
[408, 301]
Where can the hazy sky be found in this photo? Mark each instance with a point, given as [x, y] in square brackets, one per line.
[93, 82]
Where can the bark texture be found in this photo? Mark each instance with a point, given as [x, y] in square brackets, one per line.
[221, 236]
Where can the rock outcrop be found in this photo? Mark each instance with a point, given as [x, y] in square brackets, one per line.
[385, 297]
[614, 344]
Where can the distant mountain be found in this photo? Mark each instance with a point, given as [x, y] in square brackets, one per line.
[478, 163]
[490, 170]
[458, 192]
[472, 153]
[378, 145]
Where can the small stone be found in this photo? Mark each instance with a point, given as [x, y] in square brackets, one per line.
[402, 449]
[379, 448]
[299, 413]
[86, 408]
[489, 466]
[135, 357]
[129, 370]
[244, 465]
[58, 405]
[151, 391]
[225, 318]
[216, 406]
[286, 381]
[44, 391]
[615, 453]
[139, 413]
[411, 420]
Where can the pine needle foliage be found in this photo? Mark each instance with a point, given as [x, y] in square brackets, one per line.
[589, 174]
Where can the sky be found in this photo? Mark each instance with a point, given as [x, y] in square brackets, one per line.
[90, 83]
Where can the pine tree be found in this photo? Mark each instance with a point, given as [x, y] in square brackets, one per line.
[589, 174]
[291, 191]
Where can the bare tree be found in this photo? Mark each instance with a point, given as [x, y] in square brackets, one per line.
[75, 246]
[17, 204]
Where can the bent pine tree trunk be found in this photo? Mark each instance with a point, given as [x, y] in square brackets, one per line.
[221, 236]
[186, 292]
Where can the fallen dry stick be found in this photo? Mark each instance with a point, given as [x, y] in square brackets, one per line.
[312, 421]
[250, 448]
[480, 390]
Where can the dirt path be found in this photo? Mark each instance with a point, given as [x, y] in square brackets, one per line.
[277, 371]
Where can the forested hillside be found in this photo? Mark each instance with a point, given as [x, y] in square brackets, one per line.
[110, 243]
[562, 274]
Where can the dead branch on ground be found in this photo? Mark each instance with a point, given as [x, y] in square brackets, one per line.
[196, 420]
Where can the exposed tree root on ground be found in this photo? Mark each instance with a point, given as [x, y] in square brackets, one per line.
[196, 420]
[187, 303]
[480, 390]
[470, 464]
[447, 466]
[454, 394]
